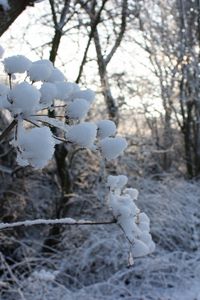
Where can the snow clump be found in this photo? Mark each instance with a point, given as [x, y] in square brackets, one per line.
[65, 90]
[1, 51]
[45, 275]
[16, 64]
[4, 90]
[83, 134]
[24, 98]
[40, 70]
[87, 94]
[132, 192]
[111, 147]
[34, 146]
[78, 109]
[55, 76]
[48, 92]
[106, 128]
[116, 182]
[135, 225]
[28, 100]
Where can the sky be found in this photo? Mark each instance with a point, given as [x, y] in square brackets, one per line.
[26, 34]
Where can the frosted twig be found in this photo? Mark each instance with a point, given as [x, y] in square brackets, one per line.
[8, 129]
[9, 269]
[66, 221]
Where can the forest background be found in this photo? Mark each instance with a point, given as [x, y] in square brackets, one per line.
[142, 58]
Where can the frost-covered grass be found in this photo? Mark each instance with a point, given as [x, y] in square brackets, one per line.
[90, 263]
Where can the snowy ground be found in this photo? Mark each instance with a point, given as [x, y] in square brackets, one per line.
[90, 263]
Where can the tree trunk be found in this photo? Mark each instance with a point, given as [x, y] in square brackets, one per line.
[9, 16]
[189, 151]
[109, 100]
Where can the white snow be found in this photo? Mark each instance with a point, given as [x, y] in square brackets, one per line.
[16, 64]
[87, 94]
[40, 70]
[117, 182]
[27, 223]
[65, 90]
[139, 248]
[128, 217]
[83, 134]
[52, 121]
[1, 51]
[44, 275]
[34, 146]
[24, 98]
[132, 192]
[77, 109]
[48, 92]
[92, 261]
[144, 218]
[144, 226]
[55, 76]
[4, 91]
[111, 147]
[106, 128]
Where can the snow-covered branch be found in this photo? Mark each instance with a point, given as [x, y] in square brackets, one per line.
[35, 146]
[27, 103]
[62, 221]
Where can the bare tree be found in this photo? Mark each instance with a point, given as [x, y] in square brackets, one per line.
[171, 37]
[93, 11]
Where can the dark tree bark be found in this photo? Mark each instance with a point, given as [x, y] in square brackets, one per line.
[61, 151]
[9, 16]
[102, 60]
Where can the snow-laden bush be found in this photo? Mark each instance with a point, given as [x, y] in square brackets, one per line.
[28, 103]
[135, 224]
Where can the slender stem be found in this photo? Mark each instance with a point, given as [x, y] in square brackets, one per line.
[54, 106]
[62, 221]
[8, 129]
[59, 116]
[59, 106]
[10, 81]
[31, 122]
[42, 115]
[61, 139]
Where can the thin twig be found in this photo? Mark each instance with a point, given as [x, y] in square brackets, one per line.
[62, 221]
[121, 33]
[55, 21]
[10, 80]
[61, 139]
[31, 122]
[94, 24]
[8, 129]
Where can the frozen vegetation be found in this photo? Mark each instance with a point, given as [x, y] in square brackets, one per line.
[101, 235]
[91, 262]
[127, 258]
